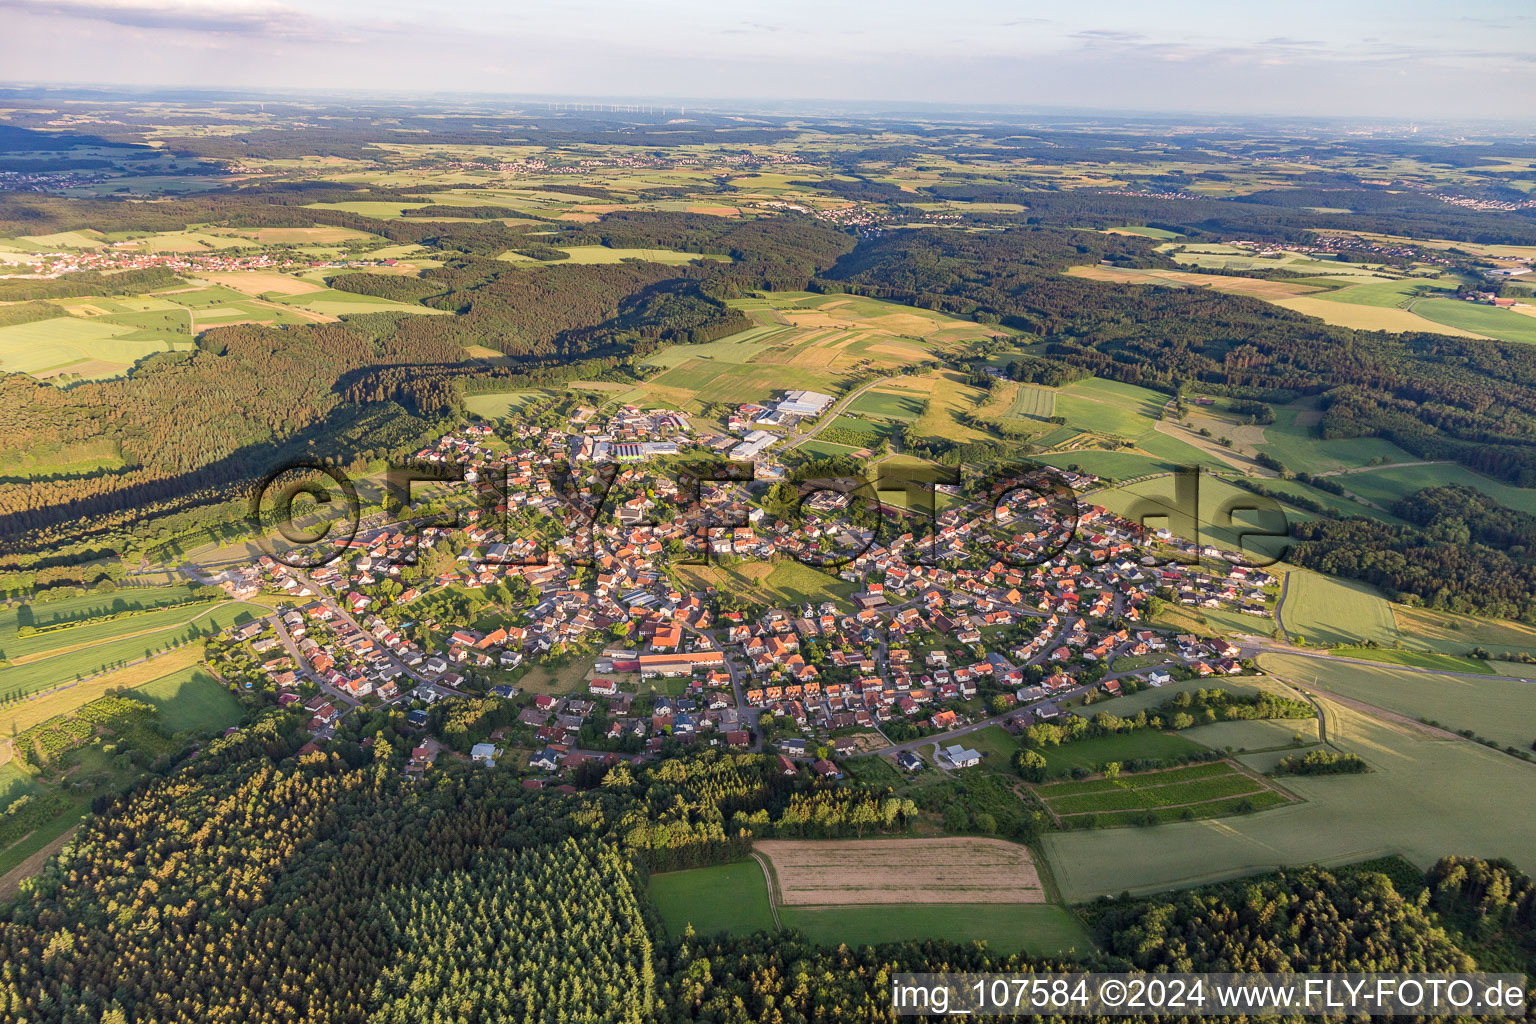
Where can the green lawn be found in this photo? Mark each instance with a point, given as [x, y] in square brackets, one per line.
[726, 898]
[1091, 753]
[1034, 928]
[190, 701]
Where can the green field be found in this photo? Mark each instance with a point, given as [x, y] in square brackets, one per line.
[725, 898]
[1033, 402]
[1490, 321]
[91, 348]
[1159, 233]
[190, 701]
[1210, 790]
[1254, 734]
[1495, 707]
[94, 657]
[1388, 294]
[1034, 928]
[1450, 633]
[887, 405]
[1325, 610]
[1422, 798]
[99, 631]
[1108, 407]
[1295, 440]
[499, 405]
[14, 783]
[1417, 659]
[603, 254]
[1122, 746]
[785, 584]
[1392, 483]
[1220, 513]
[339, 303]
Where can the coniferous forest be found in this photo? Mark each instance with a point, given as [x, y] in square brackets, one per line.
[258, 885]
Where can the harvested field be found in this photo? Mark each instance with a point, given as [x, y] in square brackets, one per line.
[1256, 287]
[901, 871]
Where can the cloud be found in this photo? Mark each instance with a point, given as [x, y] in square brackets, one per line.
[1108, 35]
[242, 17]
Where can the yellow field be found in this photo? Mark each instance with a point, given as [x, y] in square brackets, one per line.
[1256, 287]
[261, 282]
[20, 717]
[1369, 318]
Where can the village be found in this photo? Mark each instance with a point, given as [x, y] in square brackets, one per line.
[595, 616]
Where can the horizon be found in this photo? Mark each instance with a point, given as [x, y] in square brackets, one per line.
[1307, 61]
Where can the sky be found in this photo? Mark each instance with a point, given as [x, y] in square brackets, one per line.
[1399, 59]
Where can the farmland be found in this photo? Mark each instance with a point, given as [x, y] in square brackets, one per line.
[903, 871]
[77, 349]
[1489, 321]
[1495, 707]
[725, 898]
[1423, 796]
[1325, 610]
[1210, 790]
[190, 700]
[1091, 754]
[1256, 287]
[102, 646]
[806, 341]
[733, 898]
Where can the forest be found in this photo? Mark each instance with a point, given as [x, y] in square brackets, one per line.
[1459, 399]
[1459, 550]
[259, 885]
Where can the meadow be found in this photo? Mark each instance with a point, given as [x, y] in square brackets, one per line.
[1387, 484]
[499, 405]
[1492, 706]
[1424, 796]
[190, 700]
[1246, 736]
[784, 584]
[1295, 440]
[172, 626]
[1489, 321]
[1450, 633]
[1219, 513]
[1327, 610]
[730, 898]
[1210, 790]
[1092, 754]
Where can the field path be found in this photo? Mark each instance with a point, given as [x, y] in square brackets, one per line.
[10, 883]
[773, 888]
